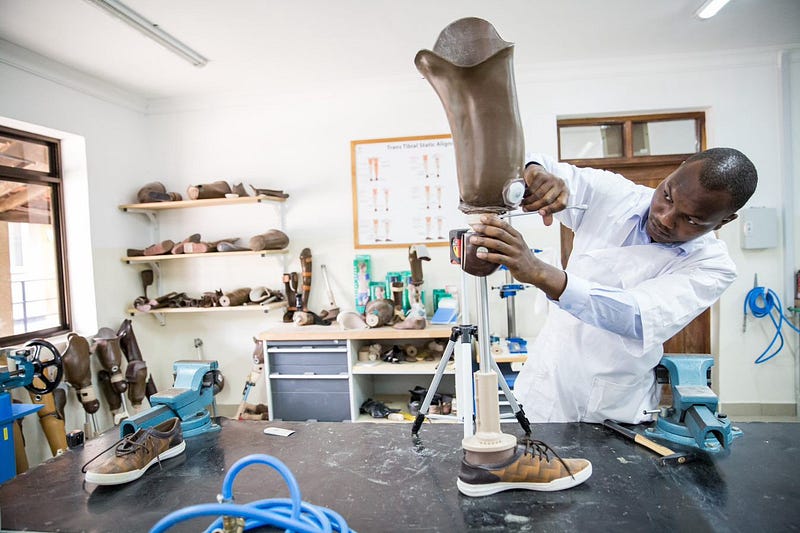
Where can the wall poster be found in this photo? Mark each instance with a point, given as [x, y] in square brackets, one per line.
[405, 191]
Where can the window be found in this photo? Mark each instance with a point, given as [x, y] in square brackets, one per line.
[637, 140]
[33, 290]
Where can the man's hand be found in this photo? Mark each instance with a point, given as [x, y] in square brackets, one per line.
[546, 193]
[507, 247]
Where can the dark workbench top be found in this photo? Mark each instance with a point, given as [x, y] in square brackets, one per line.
[375, 477]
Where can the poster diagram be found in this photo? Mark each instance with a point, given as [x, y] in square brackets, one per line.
[405, 191]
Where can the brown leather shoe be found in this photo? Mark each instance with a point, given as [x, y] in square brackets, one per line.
[529, 467]
[136, 453]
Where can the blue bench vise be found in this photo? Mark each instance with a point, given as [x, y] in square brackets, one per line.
[188, 399]
[693, 419]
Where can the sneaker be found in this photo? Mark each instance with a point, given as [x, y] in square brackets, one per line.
[136, 453]
[530, 468]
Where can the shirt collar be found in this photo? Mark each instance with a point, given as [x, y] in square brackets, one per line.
[682, 247]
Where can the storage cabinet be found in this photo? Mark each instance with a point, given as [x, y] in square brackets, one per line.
[308, 380]
[154, 262]
[313, 372]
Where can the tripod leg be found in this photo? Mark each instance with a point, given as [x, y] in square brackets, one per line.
[437, 378]
[515, 407]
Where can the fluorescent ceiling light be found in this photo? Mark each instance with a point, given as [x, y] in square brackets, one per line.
[710, 8]
[151, 30]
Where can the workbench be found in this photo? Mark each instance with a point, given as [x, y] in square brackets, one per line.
[381, 481]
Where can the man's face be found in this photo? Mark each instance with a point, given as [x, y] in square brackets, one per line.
[682, 209]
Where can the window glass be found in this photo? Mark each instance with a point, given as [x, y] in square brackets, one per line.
[24, 154]
[665, 137]
[30, 299]
[590, 142]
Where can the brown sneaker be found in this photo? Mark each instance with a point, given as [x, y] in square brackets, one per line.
[530, 468]
[136, 453]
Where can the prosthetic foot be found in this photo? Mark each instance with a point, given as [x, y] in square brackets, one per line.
[78, 372]
[108, 350]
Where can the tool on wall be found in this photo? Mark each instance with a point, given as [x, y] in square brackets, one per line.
[668, 457]
[693, 418]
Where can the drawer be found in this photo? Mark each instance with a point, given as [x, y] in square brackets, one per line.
[325, 400]
[298, 358]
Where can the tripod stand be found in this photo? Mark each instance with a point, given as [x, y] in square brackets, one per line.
[486, 379]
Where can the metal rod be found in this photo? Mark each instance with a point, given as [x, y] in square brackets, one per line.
[581, 207]
[483, 325]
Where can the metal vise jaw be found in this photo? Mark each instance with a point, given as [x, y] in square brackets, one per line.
[187, 399]
[693, 418]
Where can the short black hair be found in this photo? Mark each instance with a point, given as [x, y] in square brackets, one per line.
[730, 170]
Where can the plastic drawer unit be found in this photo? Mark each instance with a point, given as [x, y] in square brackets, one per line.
[308, 380]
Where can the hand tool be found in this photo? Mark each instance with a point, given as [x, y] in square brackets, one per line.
[667, 456]
[693, 419]
[581, 207]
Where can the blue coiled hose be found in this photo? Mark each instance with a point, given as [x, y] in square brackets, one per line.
[291, 513]
[764, 302]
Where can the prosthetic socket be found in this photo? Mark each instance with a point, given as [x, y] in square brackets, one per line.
[471, 69]
[78, 372]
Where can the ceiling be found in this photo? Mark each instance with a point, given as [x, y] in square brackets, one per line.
[291, 43]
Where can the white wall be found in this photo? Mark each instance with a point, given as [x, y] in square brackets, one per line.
[103, 147]
[300, 142]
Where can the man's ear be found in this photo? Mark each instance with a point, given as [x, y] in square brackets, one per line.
[732, 216]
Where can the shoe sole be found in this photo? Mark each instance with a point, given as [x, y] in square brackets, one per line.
[126, 477]
[468, 489]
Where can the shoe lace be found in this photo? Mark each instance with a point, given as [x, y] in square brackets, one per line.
[128, 445]
[543, 450]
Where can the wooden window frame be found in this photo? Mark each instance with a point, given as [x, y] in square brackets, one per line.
[53, 179]
[627, 122]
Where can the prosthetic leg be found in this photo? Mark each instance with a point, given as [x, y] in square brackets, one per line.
[109, 352]
[130, 348]
[471, 69]
[248, 411]
[51, 416]
[78, 373]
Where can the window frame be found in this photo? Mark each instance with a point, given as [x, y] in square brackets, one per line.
[627, 122]
[53, 179]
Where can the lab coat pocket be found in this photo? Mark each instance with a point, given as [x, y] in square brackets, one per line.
[616, 401]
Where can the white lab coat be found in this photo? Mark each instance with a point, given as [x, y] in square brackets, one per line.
[579, 372]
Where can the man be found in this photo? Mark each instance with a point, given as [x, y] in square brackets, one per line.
[644, 263]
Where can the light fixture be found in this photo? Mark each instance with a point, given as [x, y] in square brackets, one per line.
[710, 8]
[151, 30]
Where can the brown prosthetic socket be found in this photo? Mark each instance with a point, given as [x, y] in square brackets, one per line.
[471, 69]
[273, 239]
[78, 372]
[112, 397]
[127, 341]
[217, 189]
[136, 376]
[109, 352]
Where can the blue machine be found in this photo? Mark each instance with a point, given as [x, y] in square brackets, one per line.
[22, 366]
[188, 399]
[693, 419]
